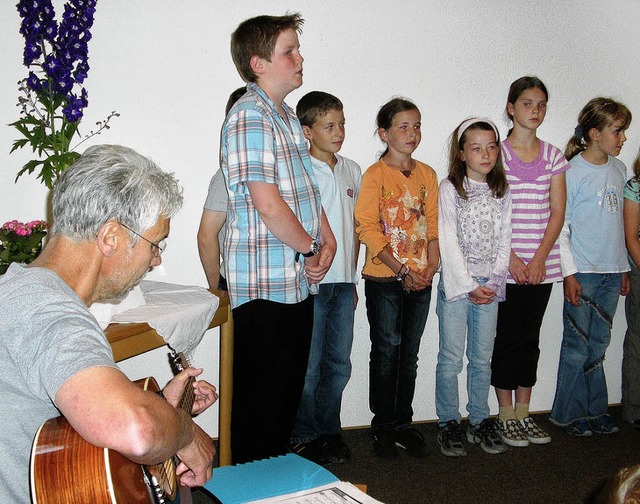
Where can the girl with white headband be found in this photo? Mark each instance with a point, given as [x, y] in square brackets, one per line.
[535, 171]
[474, 222]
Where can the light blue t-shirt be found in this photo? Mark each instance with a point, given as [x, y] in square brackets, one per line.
[595, 195]
[632, 192]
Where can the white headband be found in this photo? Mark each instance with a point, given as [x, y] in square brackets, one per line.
[465, 125]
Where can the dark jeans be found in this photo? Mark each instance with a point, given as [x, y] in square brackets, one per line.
[271, 350]
[517, 347]
[631, 352]
[396, 323]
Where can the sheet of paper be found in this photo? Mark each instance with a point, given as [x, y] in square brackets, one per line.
[339, 492]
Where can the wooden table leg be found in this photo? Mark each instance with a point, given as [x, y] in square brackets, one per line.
[226, 391]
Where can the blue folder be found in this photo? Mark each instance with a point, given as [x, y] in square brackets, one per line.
[266, 478]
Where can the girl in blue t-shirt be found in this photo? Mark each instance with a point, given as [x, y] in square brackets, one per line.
[594, 275]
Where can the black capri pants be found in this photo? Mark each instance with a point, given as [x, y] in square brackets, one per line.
[517, 347]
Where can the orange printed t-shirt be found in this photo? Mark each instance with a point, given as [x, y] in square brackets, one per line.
[398, 211]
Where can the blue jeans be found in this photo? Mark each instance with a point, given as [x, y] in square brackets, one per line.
[396, 323]
[329, 367]
[581, 391]
[457, 319]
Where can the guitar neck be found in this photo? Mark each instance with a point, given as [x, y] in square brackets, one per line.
[179, 363]
[163, 476]
[188, 396]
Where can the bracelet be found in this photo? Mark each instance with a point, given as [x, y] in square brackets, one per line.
[407, 273]
[401, 274]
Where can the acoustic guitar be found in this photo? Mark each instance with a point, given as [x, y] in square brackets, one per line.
[66, 469]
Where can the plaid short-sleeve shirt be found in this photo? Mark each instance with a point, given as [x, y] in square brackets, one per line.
[258, 145]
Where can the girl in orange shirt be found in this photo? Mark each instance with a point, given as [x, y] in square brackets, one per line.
[397, 219]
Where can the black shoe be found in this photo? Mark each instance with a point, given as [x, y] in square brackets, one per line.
[384, 443]
[450, 439]
[314, 451]
[604, 424]
[336, 448]
[411, 440]
[635, 424]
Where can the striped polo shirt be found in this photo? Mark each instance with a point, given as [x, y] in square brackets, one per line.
[530, 185]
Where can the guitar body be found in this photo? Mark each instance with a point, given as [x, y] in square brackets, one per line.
[66, 469]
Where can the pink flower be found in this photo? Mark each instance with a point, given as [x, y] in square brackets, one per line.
[22, 229]
[21, 242]
[37, 224]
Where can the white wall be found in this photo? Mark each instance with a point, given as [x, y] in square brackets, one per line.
[165, 66]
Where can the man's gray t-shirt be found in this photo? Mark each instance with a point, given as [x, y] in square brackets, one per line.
[47, 335]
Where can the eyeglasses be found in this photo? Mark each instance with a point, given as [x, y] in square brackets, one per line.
[158, 249]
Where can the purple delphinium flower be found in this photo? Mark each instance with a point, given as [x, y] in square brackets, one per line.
[38, 27]
[31, 52]
[60, 51]
[73, 110]
[34, 82]
[52, 99]
[81, 72]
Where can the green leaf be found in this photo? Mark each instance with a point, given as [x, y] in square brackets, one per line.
[47, 174]
[34, 240]
[28, 119]
[19, 144]
[22, 128]
[70, 130]
[29, 167]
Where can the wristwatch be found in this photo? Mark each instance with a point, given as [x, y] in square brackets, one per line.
[314, 249]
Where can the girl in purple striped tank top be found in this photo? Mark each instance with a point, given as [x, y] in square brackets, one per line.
[536, 175]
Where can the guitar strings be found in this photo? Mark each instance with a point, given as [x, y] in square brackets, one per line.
[166, 472]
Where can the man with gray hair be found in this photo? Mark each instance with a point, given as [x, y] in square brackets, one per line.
[111, 215]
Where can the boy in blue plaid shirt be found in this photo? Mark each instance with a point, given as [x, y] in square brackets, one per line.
[278, 239]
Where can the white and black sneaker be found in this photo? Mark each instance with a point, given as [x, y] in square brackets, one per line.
[511, 433]
[534, 433]
[450, 439]
[485, 434]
